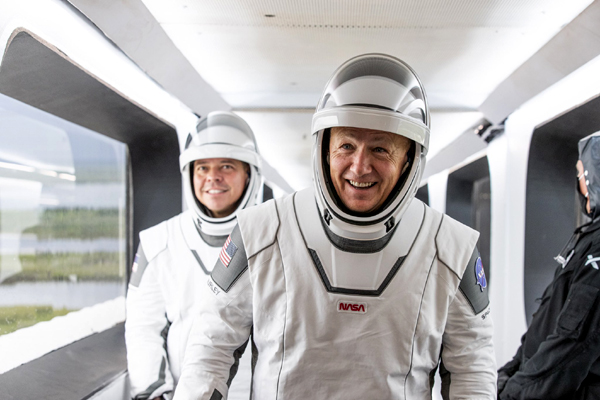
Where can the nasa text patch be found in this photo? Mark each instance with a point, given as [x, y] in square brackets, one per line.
[351, 307]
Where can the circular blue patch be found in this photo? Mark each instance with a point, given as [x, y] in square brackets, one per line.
[480, 274]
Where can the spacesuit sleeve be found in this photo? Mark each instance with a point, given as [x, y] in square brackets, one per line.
[564, 359]
[222, 327]
[467, 352]
[146, 330]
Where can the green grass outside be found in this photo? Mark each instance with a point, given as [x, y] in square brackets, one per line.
[17, 317]
[100, 266]
[76, 223]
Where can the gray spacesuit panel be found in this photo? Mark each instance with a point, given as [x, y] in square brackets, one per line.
[139, 266]
[359, 292]
[345, 270]
[474, 284]
[232, 261]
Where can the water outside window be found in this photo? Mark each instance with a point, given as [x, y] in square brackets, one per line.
[62, 217]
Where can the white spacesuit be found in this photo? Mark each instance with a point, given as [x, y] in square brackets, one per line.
[169, 273]
[346, 305]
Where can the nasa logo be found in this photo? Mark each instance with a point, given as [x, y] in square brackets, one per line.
[357, 308]
[480, 274]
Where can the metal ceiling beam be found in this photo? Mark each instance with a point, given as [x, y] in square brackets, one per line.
[576, 44]
[463, 147]
[131, 26]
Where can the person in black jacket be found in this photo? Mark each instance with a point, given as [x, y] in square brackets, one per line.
[559, 357]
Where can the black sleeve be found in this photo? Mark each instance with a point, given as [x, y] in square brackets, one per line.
[510, 368]
[564, 359]
[232, 262]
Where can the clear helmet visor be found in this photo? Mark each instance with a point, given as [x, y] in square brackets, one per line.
[221, 135]
[375, 92]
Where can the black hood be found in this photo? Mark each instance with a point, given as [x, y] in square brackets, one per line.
[589, 154]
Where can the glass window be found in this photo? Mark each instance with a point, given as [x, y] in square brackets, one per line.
[63, 203]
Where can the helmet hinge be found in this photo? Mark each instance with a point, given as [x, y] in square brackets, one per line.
[389, 224]
[327, 217]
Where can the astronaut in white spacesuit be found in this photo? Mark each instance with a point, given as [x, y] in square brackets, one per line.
[221, 174]
[353, 289]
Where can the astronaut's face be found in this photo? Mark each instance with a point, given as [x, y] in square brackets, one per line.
[582, 183]
[365, 165]
[219, 184]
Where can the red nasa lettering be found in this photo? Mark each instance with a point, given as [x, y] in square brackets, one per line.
[360, 308]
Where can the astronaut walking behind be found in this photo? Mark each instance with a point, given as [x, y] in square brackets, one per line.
[353, 289]
[221, 174]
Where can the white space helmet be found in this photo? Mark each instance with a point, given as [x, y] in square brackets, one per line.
[220, 134]
[371, 91]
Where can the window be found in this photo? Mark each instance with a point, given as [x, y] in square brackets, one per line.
[63, 204]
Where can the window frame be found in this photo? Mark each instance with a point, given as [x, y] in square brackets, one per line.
[52, 82]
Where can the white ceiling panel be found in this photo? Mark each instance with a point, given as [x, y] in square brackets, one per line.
[279, 54]
[366, 13]
[284, 140]
[282, 63]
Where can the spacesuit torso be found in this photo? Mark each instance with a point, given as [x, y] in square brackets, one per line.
[336, 318]
[167, 284]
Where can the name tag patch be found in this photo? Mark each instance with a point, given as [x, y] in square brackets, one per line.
[351, 307]
[213, 287]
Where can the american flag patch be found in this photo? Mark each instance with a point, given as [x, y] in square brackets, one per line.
[227, 252]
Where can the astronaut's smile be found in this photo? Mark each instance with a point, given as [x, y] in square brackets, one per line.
[216, 191]
[360, 185]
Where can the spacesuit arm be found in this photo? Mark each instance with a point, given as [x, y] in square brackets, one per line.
[468, 352]
[564, 359]
[222, 327]
[146, 330]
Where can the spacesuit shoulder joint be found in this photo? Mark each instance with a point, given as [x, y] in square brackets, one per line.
[154, 240]
[259, 226]
[455, 243]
